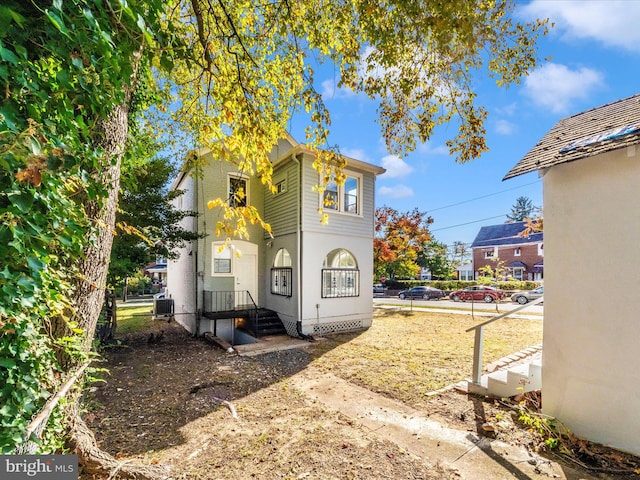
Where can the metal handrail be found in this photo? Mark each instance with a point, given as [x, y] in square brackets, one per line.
[479, 338]
[230, 301]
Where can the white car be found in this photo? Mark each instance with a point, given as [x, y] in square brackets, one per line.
[526, 297]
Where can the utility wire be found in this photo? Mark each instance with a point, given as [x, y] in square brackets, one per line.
[467, 223]
[483, 196]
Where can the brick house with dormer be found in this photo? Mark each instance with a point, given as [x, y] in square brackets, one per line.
[523, 256]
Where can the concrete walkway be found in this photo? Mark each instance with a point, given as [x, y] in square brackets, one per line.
[470, 456]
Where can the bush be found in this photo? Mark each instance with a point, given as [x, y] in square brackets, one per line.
[452, 285]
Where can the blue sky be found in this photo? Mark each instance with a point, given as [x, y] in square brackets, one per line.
[595, 59]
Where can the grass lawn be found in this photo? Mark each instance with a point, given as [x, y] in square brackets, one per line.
[133, 318]
[406, 355]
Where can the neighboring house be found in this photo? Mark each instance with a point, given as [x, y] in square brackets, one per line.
[590, 169]
[465, 272]
[523, 256]
[317, 277]
[157, 272]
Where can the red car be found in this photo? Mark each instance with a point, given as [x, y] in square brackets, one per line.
[477, 293]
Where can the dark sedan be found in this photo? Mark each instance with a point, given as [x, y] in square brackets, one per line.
[425, 293]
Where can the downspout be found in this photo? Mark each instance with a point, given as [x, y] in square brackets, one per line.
[299, 251]
[195, 257]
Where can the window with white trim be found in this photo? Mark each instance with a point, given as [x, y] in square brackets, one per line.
[345, 198]
[340, 275]
[517, 252]
[282, 274]
[489, 254]
[518, 273]
[238, 191]
[221, 259]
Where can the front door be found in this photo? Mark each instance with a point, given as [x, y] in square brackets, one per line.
[247, 274]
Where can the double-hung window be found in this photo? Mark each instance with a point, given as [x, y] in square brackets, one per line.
[238, 191]
[345, 198]
[221, 259]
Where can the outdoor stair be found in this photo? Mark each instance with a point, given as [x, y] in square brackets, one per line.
[267, 322]
[510, 381]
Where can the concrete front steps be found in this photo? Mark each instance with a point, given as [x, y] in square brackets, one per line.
[513, 375]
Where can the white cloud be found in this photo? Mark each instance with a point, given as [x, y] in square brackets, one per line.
[356, 153]
[331, 91]
[428, 149]
[504, 127]
[612, 22]
[555, 86]
[398, 191]
[395, 166]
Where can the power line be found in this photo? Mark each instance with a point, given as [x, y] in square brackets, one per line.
[479, 198]
[468, 223]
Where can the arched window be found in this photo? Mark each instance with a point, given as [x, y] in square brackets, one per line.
[340, 275]
[283, 259]
[281, 274]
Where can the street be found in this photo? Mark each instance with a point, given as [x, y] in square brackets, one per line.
[503, 307]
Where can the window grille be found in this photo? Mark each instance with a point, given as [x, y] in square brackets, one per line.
[281, 281]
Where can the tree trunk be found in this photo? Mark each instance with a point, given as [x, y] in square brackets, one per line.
[88, 295]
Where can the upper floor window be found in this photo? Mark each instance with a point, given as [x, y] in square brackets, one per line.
[490, 253]
[281, 186]
[344, 198]
[281, 274]
[340, 275]
[238, 191]
[517, 252]
[541, 249]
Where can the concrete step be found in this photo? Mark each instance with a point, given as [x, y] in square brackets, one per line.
[522, 378]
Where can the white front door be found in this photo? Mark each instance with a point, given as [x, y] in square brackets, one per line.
[247, 274]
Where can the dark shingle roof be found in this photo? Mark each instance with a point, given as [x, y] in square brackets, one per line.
[584, 135]
[504, 234]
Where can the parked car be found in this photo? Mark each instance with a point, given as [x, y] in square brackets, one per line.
[379, 288]
[426, 293]
[477, 293]
[526, 297]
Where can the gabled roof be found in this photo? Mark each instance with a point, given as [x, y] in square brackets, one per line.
[504, 234]
[599, 130]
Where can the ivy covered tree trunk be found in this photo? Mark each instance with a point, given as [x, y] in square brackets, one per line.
[89, 289]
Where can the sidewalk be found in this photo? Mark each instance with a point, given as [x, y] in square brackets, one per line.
[468, 455]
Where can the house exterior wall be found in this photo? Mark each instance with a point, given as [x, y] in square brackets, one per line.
[529, 255]
[339, 223]
[322, 315]
[214, 184]
[281, 209]
[181, 282]
[287, 307]
[591, 327]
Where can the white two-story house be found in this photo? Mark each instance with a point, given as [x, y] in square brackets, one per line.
[316, 277]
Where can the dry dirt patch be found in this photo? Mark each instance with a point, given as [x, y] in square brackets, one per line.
[173, 402]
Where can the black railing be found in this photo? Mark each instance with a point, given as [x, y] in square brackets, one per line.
[340, 282]
[281, 281]
[227, 301]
